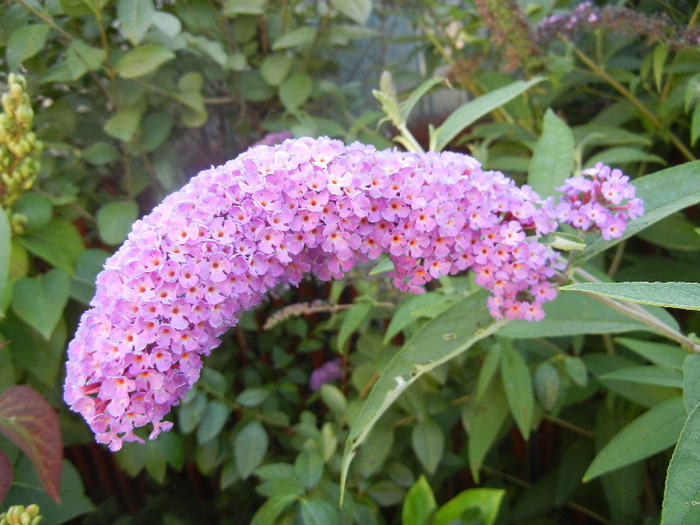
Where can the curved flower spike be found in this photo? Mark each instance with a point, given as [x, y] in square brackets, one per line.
[213, 249]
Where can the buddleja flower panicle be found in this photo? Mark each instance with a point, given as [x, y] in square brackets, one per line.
[270, 216]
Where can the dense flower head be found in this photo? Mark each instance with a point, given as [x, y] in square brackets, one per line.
[272, 215]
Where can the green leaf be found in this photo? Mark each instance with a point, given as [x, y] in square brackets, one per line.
[316, 511]
[213, 420]
[419, 503]
[553, 158]
[24, 43]
[674, 232]
[59, 244]
[82, 57]
[670, 295]
[191, 411]
[298, 37]
[695, 125]
[384, 265]
[249, 448]
[658, 353]
[352, 320]
[681, 505]
[143, 59]
[654, 431]
[124, 124]
[576, 369]
[573, 314]
[135, 18]
[114, 221]
[308, 467]
[547, 385]
[473, 110]
[334, 399]
[295, 90]
[407, 105]
[5, 251]
[252, 397]
[648, 375]
[691, 382]
[622, 155]
[78, 8]
[448, 335]
[272, 508]
[664, 192]
[39, 301]
[89, 264]
[486, 500]
[275, 68]
[428, 441]
[32, 425]
[244, 7]
[167, 23]
[405, 313]
[101, 153]
[357, 10]
[517, 384]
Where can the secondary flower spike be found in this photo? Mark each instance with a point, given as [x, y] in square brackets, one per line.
[214, 248]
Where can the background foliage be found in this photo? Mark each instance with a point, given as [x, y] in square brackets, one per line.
[573, 419]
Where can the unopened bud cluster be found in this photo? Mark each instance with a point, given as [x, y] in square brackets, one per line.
[19, 515]
[19, 146]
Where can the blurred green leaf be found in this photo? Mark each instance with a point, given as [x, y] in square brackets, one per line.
[419, 504]
[357, 10]
[5, 251]
[547, 385]
[486, 500]
[213, 420]
[191, 411]
[124, 124]
[316, 511]
[309, 467]
[101, 153]
[682, 494]
[88, 266]
[39, 301]
[272, 508]
[143, 59]
[623, 155]
[249, 448]
[553, 158]
[352, 320]
[648, 375]
[253, 396]
[24, 43]
[674, 232]
[576, 369]
[691, 382]
[275, 68]
[36, 208]
[298, 37]
[167, 23]
[295, 90]
[115, 219]
[82, 58]
[135, 18]
[428, 442]
[655, 430]
[517, 384]
[244, 7]
[663, 354]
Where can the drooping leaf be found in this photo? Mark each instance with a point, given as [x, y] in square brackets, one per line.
[682, 493]
[39, 301]
[553, 158]
[419, 503]
[470, 112]
[655, 430]
[448, 335]
[143, 59]
[517, 384]
[249, 448]
[428, 441]
[670, 295]
[135, 18]
[31, 424]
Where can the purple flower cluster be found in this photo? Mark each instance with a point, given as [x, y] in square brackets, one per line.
[327, 372]
[600, 199]
[214, 248]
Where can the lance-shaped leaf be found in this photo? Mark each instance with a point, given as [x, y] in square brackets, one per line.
[30, 422]
[669, 295]
[473, 110]
[448, 335]
[682, 493]
[553, 158]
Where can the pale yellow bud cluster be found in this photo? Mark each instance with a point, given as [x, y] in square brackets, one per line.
[19, 146]
[18, 515]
